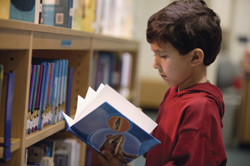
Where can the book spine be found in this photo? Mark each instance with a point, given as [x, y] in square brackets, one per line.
[51, 91]
[33, 111]
[46, 122]
[42, 95]
[54, 95]
[8, 115]
[71, 13]
[69, 89]
[1, 81]
[65, 85]
[45, 106]
[31, 94]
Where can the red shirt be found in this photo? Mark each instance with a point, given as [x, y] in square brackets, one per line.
[189, 128]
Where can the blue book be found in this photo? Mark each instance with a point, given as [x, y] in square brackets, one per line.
[54, 93]
[8, 114]
[108, 121]
[57, 13]
[61, 81]
[50, 92]
[58, 102]
[23, 10]
[34, 114]
[1, 81]
[43, 96]
[69, 89]
[64, 85]
[31, 93]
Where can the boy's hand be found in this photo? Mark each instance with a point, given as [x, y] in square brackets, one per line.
[110, 160]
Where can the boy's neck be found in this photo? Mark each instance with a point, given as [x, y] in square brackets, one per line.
[198, 76]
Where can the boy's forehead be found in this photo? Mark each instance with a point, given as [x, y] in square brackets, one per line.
[156, 48]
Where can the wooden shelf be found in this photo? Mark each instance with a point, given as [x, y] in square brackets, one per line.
[105, 43]
[22, 41]
[15, 144]
[44, 133]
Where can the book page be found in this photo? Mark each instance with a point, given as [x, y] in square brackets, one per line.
[81, 103]
[107, 94]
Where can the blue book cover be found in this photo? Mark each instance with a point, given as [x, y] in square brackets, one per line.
[31, 93]
[1, 81]
[42, 96]
[57, 13]
[23, 10]
[10, 81]
[50, 91]
[64, 85]
[54, 93]
[114, 129]
[69, 90]
[45, 104]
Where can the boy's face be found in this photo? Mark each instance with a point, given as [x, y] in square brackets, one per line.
[174, 68]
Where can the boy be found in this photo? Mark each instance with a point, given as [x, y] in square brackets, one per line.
[185, 37]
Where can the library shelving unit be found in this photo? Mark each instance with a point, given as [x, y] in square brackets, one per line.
[20, 42]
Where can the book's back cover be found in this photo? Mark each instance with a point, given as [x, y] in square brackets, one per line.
[57, 13]
[107, 129]
[22, 10]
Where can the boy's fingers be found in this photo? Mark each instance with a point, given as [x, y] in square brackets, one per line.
[103, 160]
[107, 154]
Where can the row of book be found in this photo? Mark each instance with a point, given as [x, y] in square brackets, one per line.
[47, 94]
[54, 152]
[109, 17]
[112, 69]
[7, 80]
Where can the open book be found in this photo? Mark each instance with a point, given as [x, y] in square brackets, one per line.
[106, 120]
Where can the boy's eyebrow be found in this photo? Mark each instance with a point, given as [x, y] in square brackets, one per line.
[158, 51]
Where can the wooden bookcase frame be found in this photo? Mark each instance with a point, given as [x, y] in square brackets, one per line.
[20, 42]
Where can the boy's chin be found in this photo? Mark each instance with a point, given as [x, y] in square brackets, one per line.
[170, 84]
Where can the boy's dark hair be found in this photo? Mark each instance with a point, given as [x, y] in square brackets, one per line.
[187, 24]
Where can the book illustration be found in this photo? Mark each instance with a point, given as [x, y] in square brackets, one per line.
[106, 127]
[115, 144]
[22, 10]
[57, 13]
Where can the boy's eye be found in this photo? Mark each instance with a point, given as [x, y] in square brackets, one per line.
[163, 56]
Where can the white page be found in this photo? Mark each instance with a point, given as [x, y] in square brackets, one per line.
[80, 104]
[107, 94]
[90, 96]
[68, 119]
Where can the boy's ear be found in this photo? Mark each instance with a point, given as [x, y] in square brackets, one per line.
[197, 56]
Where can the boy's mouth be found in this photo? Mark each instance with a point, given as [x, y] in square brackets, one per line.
[162, 75]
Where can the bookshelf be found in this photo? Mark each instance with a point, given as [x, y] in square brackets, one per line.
[21, 41]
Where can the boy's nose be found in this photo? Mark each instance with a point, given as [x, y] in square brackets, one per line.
[155, 63]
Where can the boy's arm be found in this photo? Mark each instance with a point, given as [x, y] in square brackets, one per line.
[192, 148]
